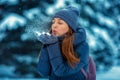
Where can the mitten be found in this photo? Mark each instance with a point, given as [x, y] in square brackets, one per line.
[47, 38]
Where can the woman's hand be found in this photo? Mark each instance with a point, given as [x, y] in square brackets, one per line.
[47, 38]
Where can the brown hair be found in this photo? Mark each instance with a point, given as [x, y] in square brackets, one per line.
[68, 49]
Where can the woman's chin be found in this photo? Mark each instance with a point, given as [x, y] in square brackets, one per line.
[54, 34]
[57, 35]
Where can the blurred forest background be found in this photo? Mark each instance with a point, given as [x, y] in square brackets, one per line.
[19, 48]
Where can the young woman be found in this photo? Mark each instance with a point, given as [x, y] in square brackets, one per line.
[65, 49]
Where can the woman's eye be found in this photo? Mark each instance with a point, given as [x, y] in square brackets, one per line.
[60, 23]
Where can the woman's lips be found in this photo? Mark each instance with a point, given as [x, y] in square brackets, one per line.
[54, 32]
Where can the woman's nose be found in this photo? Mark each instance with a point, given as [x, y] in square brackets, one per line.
[55, 25]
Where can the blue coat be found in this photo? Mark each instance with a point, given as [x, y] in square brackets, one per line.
[51, 62]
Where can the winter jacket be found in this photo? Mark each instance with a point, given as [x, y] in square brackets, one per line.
[52, 63]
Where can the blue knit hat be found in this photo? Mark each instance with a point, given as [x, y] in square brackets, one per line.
[70, 15]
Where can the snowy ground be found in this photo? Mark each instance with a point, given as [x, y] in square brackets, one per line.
[113, 74]
[23, 79]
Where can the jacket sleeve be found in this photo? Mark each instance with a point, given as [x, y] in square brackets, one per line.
[62, 68]
[43, 63]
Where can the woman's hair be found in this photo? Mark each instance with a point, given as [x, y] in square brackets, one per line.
[68, 49]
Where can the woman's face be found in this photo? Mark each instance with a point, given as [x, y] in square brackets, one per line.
[59, 27]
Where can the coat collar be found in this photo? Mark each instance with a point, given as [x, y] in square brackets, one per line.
[79, 37]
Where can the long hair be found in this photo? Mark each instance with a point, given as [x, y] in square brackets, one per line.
[68, 49]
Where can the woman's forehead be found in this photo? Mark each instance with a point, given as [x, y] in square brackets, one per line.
[57, 19]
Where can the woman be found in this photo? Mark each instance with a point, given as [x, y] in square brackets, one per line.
[65, 50]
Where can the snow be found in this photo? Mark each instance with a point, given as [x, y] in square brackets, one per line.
[24, 79]
[25, 36]
[9, 2]
[2, 36]
[105, 35]
[92, 41]
[102, 33]
[113, 74]
[12, 21]
[30, 14]
[50, 10]
[106, 21]
[60, 3]
[89, 10]
[84, 22]
[25, 59]
[7, 70]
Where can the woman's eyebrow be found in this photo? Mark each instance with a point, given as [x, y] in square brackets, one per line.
[59, 19]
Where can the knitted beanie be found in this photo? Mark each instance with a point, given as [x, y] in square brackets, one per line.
[70, 15]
